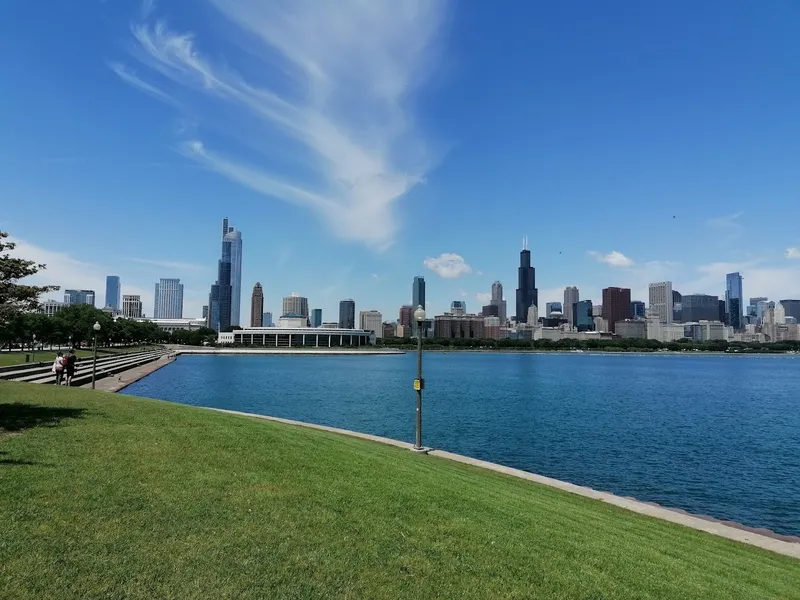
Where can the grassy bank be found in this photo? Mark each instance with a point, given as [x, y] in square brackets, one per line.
[8, 359]
[115, 496]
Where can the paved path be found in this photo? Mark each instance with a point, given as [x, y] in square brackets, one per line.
[767, 540]
[115, 383]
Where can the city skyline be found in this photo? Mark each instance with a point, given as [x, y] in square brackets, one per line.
[589, 131]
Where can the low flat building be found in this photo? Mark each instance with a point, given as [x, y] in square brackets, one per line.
[664, 332]
[704, 331]
[170, 325]
[450, 326]
[293, 332]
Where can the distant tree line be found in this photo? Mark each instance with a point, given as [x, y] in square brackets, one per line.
[615, 345]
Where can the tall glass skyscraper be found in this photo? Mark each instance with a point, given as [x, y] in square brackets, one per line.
[527, 294]
[347, 314]
[79, 297]
[234, 240]
[220, 310]
[168, 302]
[734, 300]
[418, 292]
[316, 317]
[113, 292]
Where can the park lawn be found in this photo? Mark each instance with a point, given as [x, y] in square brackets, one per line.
[8, 359]
[113, 496]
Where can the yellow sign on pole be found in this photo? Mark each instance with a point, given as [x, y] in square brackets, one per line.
[417, 385]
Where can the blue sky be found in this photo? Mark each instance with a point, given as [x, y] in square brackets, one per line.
[357, 144]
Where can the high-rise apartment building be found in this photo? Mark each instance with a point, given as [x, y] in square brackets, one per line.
[316, 317]
[498, 301]
[112, 292]
[734, 300]
[458, 307]
[571, 297]
[79, 297]
[661, 302]
[699, 307]
[257, 306]
[616, 305]
[347, 314]
[371, 320]
[168, 299]
[527, 294]
[295, 305]
[132, 307]
[637, 309]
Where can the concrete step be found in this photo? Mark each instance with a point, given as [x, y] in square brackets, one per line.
[24, 372]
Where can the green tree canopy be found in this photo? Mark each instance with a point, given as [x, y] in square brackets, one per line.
[16, 298]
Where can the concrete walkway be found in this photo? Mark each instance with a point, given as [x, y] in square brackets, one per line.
[115, 383]
[786, 545]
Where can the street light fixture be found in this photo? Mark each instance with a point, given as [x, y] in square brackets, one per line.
[419, 383]
[33, 349]
[96, 328]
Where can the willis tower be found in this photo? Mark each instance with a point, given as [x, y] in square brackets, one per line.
[527, 294]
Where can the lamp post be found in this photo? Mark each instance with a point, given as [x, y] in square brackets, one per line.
[33, 348]
[96, 328]
[419, 383]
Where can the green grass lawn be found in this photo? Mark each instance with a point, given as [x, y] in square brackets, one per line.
[18, 358]
[112, 496]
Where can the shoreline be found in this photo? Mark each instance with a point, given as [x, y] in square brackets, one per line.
[766, 539]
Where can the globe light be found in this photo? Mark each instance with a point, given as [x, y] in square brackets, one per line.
[96, 326]
[419, 314]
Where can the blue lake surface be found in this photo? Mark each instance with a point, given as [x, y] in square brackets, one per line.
[715, 435]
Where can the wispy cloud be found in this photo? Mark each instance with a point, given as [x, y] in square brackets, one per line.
[728, 227]
[448, 265]
[793, 253]
[341, 74]
[148, 88]
[483, 297]
[168, 264]
[613, 258]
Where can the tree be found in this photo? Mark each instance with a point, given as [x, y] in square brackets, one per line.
[16, 298]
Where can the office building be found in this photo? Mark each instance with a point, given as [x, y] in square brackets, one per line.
[316, 317]
[552, 307]
[637, 309]
[257, 306]
[295, 305]
[371, 320]
[79, 297]
[498, 301]
[677, 308]
[168, 299]
[50, 307]
[220, 300]
[389, 330]
[527, 294]
[631, 328]
[661, 302]
[347, 314]
[616, 306]
[491, 328]
[791, 308]
[533, 316]
[491, 310]
[234, 239]
[664, 332]
[705, 331]
[723, 312]
[583, 315]
[132, 307]
[597, 310]
[699, 307]
[418, 292]
[268, 319]
[112, 292]
[405, 317]
[449, 326]
[458, 307]
[205, 312]
[571, 298]
[734, 301]
[601, 325]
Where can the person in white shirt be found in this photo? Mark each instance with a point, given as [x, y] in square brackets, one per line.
[58, 368]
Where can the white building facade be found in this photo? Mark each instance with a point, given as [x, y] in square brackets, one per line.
[132, 307]
[571, 297]
[661, 305]
[371, 320]
[168, 301]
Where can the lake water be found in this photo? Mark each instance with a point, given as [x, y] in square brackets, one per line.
[715, 435]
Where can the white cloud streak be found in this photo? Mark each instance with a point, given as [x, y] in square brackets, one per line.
[168, 264]
[148, 88]
[332, 83]
[613, 258]
[448, 265]
[793, 253]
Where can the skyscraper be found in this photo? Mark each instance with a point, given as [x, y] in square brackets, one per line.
[699, 307]
[616, 305]
[168, 300]
[257, 306]
[418, 292]
[234, 239]
[79, 297]
[347, 314]
[295, 305]
[371, 320]
[132, 307]
[112, 291]
[405, 317]
[734, 300]
[268, 319]
[316, 317]
[637, 309]
[221, 297]
[458, 307]
[582, 315]
[571, 297]
[661, 305]
[497, 300]
[527, 294]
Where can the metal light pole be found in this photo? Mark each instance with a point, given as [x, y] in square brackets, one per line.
[96, 328]
[419, 383]
[33, 350]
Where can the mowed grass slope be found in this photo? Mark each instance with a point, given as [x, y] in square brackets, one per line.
[112, 496]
